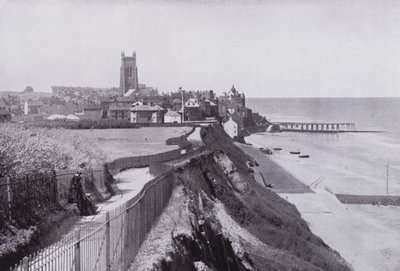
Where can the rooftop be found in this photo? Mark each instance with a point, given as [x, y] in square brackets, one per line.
[146, 107]
[172, 114]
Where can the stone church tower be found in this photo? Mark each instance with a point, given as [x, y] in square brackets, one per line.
[128, 73]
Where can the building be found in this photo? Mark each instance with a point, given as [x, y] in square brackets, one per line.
[119, 111]
[231, 102]
[71, 91]
[32, 107]
[209, 109]
[231, 127]
[192, 110]
[128, 73]
[92, 112]
[172, 117]
[61, 109]
[5, 116]
[146, 113]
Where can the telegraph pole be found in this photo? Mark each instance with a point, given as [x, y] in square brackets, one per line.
[183, 106]
[387, 178]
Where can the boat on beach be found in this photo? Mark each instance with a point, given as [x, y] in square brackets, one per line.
[277, 149]
[266, 150]
[304, 156]
[294, 152]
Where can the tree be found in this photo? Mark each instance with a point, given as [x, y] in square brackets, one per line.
[28, 89]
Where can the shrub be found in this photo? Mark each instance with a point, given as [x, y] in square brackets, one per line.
[37, 150]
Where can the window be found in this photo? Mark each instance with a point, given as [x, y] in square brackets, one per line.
[130, 72]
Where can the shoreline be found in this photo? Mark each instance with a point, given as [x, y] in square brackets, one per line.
[351, 229]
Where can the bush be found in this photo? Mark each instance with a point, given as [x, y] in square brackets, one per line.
[37, 150]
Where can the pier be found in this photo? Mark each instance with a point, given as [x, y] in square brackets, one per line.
[317, 127]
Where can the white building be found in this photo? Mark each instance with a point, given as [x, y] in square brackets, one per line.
[172, 117]
[231, 127]
[147, 114]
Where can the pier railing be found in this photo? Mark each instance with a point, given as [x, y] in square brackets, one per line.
[112, 240]
[317, 127]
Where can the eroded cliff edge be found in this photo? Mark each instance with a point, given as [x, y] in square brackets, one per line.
[220, 218]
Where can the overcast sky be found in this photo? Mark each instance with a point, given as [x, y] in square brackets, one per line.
[266, 48]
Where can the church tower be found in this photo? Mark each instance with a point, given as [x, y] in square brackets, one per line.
[128, 73]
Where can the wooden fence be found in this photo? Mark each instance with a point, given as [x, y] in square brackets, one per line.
[112, 240]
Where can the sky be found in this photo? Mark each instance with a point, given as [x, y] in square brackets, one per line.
[265, 48]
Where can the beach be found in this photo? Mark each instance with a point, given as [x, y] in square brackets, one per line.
[344, 163]
[365, 235]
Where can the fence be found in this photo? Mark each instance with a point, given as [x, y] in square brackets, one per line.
[142, 161]
[112, 240]
[93, 181]
[25, 194]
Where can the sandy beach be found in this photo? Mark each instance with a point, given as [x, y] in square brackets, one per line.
[365, 235]
[345, 163]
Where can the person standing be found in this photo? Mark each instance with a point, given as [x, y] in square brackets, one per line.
[75, 194]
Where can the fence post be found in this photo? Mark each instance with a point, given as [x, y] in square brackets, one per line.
[125, 247]
[8, 197]
[54, 182]
[108, 259]
[78, 250]
[25, 264]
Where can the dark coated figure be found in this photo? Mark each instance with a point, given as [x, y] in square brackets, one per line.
[75, 194]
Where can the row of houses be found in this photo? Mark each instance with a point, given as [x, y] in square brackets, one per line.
[229, 109]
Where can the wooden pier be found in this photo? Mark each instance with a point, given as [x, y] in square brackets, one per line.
[317, 127]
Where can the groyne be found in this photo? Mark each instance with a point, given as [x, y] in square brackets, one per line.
[369, 199]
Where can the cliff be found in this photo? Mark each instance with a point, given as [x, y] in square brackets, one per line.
[220, 218]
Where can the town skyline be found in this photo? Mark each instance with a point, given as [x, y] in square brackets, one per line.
[268, 49]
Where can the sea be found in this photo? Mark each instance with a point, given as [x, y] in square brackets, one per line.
[365, 156]
[381, 114]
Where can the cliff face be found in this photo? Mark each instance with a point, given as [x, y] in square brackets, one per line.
[235, 223]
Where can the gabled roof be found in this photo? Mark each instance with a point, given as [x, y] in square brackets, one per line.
[229, 119]
[146, 107]
[119, 106]
[172, 114]
[211, 102]
[192, 102]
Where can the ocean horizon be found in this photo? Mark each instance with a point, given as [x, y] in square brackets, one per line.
[369, 113]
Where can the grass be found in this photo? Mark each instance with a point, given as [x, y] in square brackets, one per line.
[116, 143]
[39, 150]
[158, 243]
[16, 241]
